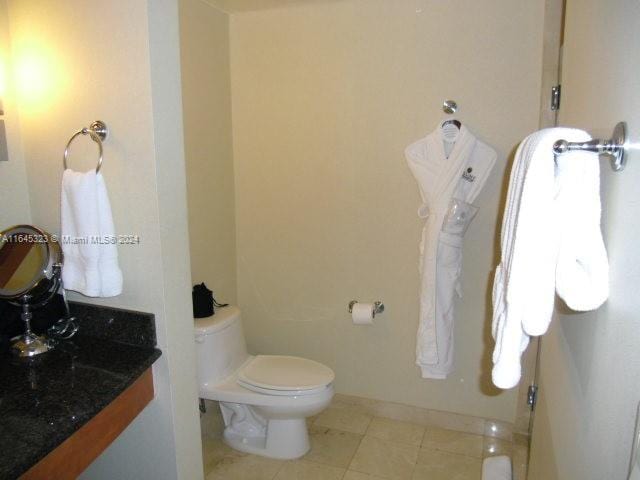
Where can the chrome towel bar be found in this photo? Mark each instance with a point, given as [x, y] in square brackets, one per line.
[614, 148]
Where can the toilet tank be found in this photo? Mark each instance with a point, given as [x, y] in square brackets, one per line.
[220, 346]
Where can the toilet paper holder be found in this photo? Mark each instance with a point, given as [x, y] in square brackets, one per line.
[378, 307]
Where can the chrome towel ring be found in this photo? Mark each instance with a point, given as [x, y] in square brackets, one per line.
[98, 132]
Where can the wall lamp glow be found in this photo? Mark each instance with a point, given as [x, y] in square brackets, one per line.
[37, 78]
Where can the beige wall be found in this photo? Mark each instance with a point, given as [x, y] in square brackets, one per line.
[590, 363]
[206, 98]
[120, 63]
[235, 6]
[325, 98]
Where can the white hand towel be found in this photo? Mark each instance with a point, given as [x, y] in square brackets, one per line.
[88, 236]
[550, 240]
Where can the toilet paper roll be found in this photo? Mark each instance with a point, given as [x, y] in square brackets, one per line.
[362, 313]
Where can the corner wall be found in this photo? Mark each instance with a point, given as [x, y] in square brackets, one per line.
[119, 62]
[14, 193]
[206, 98]
[325, 98]
[590, 362]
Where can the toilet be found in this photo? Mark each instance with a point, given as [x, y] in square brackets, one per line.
[265, 399]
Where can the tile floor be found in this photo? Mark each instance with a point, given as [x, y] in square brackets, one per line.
[349, 444]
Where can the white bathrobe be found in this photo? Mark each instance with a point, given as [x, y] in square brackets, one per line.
[458, 176]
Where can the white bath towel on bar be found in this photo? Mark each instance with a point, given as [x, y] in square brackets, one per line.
[88, 236]
[551, 241]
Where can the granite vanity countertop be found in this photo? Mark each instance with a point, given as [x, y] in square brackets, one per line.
[44, 400]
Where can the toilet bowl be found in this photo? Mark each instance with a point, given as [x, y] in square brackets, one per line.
[264, 399]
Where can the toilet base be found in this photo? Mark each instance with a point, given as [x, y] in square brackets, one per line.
[283, 439]
[273, 426]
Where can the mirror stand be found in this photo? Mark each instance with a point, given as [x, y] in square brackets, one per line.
[29, 344]
[30, 275]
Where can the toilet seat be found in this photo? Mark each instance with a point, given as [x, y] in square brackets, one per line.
[284, 375]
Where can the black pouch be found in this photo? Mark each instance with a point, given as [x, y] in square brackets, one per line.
[203, 301]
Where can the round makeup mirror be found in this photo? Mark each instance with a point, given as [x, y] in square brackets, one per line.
[30, 268]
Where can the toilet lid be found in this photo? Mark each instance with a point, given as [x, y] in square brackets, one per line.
[285, 374]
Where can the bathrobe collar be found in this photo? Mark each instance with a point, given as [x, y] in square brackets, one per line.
[461, 148]
[437, 175]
